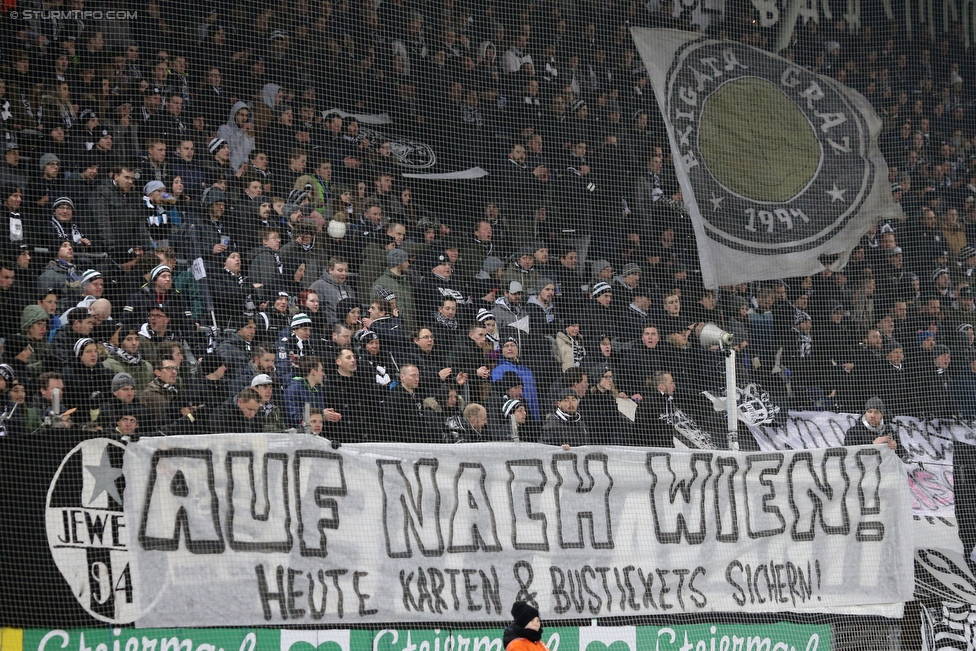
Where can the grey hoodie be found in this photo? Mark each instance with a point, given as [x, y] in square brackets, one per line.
[241, 144]
[268, 94]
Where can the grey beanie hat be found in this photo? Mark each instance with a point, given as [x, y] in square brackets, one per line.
[122, 380]
[396, 257]
[47, 159]
[874, 403]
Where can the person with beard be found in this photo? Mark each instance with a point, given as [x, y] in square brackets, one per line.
[444, 324]
[525, 632]
[871, 428]
[565, 427]
[127, 359]
[87, 383]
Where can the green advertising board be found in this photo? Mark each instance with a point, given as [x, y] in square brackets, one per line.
[699, 637]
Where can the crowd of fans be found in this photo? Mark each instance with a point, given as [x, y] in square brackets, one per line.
[192, 240]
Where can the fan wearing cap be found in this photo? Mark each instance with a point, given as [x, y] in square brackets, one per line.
[63, 228]
[512, 422]
[520, 269]
[508, 306]
[154, 211]
[235, 347]
[395, 281]
[872, 429]
[510, 362]
[525, 631]
[159, 292]
[940, 286]
[43, 189]
[438, 281]
[373, 359]
[892, 382]
[122, 401]
[219, 169]
[292, 348]
[61, 273]
[87, 383]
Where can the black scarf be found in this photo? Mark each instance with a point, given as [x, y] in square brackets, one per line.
[530, 635]
[74, 236]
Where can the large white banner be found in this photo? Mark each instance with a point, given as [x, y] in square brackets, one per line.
[778, 166]
[257, 529]
[929, 445]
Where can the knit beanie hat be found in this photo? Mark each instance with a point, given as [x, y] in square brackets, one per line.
[874, 403]
[523, 613]
[510, 406]
[122, 380]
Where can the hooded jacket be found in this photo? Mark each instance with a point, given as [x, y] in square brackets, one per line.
[241, 144]
[264, 111]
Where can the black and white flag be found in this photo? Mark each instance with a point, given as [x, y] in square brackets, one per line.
[779, 167]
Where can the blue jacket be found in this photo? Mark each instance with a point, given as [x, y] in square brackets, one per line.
[296, 395]
[529, 392]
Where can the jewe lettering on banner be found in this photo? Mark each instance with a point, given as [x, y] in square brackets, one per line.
[242, 530]
[929, 443]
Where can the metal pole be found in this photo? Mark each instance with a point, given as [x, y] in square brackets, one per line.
[731, 411]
